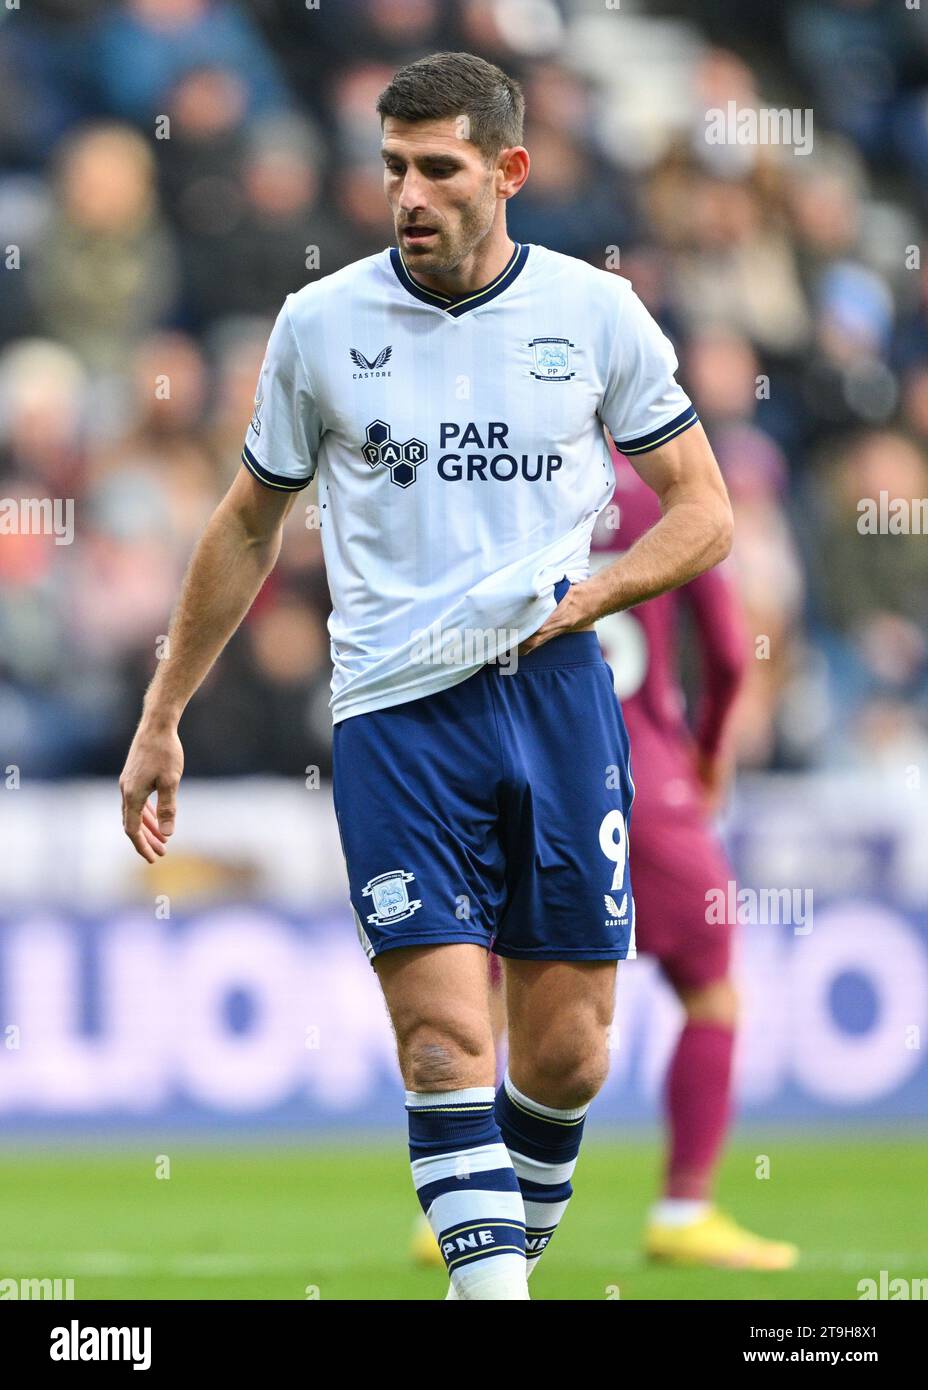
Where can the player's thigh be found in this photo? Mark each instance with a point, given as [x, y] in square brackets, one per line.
[679, 873]
[438, 1000]
[414, 799]
[559, 1014]
[566, 808]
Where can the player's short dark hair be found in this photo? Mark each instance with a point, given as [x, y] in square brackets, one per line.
[459, 84]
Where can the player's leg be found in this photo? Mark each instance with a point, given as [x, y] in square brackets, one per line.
[676, 865]
[497, 1005]
[439, 1006]
[559, 1015]
[686, 1227]
[698, 1096]
[424, 1248]
[414, 790]
[570, 914]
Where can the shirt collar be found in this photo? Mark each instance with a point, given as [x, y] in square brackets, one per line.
[460, 304]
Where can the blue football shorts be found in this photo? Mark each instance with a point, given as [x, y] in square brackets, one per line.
[495, 811]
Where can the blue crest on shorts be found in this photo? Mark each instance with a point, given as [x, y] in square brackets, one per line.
[390, 897]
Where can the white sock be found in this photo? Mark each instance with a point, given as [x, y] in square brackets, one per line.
[678, 1211]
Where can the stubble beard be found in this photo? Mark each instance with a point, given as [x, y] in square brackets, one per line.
[476, 221]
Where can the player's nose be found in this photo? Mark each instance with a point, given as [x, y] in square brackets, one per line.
[412, 194]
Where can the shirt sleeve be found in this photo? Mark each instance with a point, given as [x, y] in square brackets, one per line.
[643, 406]
[282, 440]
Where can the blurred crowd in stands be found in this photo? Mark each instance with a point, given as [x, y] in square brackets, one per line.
[145, 258]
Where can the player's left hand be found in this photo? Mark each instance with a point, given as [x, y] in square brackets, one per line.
[576, 612]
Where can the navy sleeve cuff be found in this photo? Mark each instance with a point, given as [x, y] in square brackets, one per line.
[269, 479]
[661, 435]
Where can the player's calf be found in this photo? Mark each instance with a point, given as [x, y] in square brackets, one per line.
[559, 1016]
[543, 1144]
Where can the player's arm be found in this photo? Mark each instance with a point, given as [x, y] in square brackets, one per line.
[693, 534]
[234, 556]
[236, 553]
[722, 641]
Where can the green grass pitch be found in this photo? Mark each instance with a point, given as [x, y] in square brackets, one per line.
[240, 1222]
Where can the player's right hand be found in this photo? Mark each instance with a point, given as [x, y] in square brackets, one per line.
[155, 763]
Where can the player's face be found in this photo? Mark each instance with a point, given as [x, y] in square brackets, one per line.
[442, 194]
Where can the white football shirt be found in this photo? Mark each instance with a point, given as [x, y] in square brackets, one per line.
[459, 449]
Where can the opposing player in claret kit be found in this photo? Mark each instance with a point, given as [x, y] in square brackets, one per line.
[678, 868]
[450, 395]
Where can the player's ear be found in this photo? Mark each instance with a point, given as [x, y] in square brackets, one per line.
[512, 169]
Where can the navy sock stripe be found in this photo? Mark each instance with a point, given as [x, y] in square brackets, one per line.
[544, 1192]
[493, 1180]
[537, 1242]
[548, 1141]
[471, 1228]
[576, 1121]
[434, 1132]
[478, 1240]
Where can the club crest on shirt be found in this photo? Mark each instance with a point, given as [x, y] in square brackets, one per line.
[390, 897]
[256, 415]
[552, 359]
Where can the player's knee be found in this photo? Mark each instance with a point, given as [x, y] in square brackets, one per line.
[566, 1072]
[432, 1059]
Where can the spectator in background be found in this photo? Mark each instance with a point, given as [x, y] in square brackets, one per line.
[105, 273]
[235, 348]
[266, 708]
[247, 205]
[285, 237]
[570, 200]
[200, 176]
[863, 576]
[501, 33]
[862, 88]
[723, 370]
[848, 381]
[357, 192]
[737, 265]
[141, 48]
[165, 437]
[43, 454]
[43, 424]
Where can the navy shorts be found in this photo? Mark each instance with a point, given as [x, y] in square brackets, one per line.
[495, 812]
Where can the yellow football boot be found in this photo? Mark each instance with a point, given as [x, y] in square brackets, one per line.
[423, 1249]
[718, 1241]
